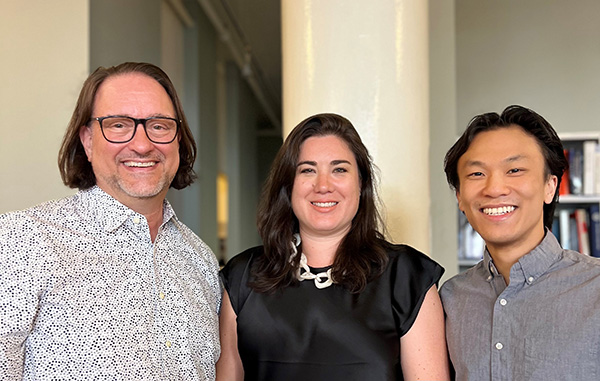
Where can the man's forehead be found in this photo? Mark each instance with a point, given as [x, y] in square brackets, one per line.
[134, 94]
[503, 145]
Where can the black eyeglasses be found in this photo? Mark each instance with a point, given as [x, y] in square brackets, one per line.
[121, 129]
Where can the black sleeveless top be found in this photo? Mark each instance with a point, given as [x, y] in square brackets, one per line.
[305, 333]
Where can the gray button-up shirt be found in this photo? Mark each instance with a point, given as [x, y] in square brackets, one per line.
[86, 295]
[545, 325]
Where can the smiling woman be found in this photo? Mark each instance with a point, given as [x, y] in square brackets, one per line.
[325, 193]
[370, 310]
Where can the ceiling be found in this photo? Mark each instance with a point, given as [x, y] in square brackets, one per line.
[252, 30]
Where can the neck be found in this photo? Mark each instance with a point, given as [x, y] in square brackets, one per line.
[151, 208]
[320, 251]
[154, 219]
[505, 256]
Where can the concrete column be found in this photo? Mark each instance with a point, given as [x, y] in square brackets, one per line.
[368, 61]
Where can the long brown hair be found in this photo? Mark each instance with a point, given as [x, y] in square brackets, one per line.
[75, 169]
[361, 254]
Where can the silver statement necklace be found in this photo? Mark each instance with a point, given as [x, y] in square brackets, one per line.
[322, 279]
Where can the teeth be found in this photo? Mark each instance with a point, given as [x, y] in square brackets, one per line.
[498, 211]
[138, 164]
[324, 204]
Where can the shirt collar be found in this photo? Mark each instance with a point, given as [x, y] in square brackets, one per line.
[533, 264]
[110, 213]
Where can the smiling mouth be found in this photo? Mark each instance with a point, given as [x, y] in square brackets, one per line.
[140, 165]
[498, 211]
[324, 204]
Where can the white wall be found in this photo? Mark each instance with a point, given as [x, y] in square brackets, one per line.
[543, 54]
[43, 63]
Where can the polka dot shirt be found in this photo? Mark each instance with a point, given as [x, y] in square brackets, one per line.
[85, 294]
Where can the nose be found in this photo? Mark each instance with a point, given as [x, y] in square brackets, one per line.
[496, 186]
[323, 183]
[140, 142]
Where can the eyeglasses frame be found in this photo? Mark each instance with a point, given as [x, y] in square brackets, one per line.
[137, 122]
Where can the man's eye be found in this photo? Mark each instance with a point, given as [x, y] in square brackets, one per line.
[158, 127]
[515, 170]
[475, 174]
[117, 123]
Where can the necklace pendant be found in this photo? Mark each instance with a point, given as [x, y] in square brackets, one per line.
[322, 279]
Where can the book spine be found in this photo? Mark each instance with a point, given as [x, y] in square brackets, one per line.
[589, 167]
[563, 223]
[573, 231]
[594, 230]
[583, 238]
[565, 184]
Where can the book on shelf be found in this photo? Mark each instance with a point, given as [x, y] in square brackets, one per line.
[565, 184]
[597, 170]
[589, 167]
[583, 239]
[594, 230]
[579, 228]
[573, 234]
[576, 170]
[470, 243]
[565, 234]
[582, 151]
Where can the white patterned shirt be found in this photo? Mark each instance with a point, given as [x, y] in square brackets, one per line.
[86, 295]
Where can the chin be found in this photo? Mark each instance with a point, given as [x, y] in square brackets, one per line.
[147, 192]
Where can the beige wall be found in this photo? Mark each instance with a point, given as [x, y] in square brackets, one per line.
[43, 62]
[542, 54]
[442, 100]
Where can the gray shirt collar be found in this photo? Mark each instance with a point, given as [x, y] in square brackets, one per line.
[533, 264]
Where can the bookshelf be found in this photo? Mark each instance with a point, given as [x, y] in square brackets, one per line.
[577, 215]
[578, 207]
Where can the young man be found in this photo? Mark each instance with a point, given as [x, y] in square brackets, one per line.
[108, 284]
[530, 310]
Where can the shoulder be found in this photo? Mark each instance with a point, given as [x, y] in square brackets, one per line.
[30, 227]
[30, 243]
[236, 274]
[410, 274]
[406, 257]
[582, 260]
[45, 211]
[192, 239]
[410, 269]
[581, 266]
[462, 283]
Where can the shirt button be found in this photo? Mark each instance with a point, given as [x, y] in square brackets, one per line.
[161, 295]
[530, 279]
[168, 344]
[489, 278]
[499, 346]
[503, 302]
[136, 220]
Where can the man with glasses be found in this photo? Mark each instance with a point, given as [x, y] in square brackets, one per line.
[108, 283]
